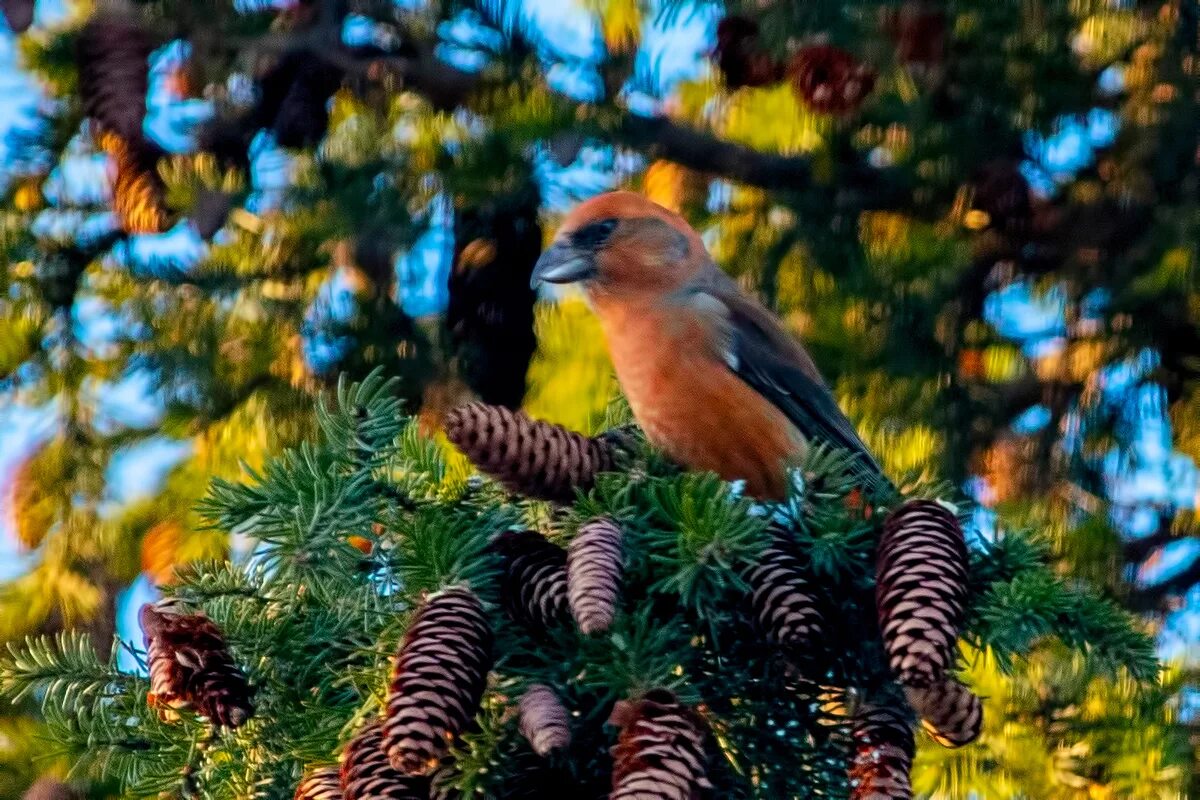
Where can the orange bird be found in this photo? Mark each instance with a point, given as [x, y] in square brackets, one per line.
[711, 375]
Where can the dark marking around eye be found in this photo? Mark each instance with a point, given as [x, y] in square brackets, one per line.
[594, 234]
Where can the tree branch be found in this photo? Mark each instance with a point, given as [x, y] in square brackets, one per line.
[659, 137]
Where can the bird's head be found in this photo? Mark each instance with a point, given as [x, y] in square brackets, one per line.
[620, 244]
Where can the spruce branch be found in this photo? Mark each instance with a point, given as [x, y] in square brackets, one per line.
[1011, 618]
[64, 671]
[701, 539]
[438, 547]
[363, 419]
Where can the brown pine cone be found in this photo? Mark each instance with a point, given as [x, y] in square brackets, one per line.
[949, 711]
[529, 457]
[322, 783]
[191, 667]
[366, 773]
[830, 80]
[534, 583]
[883, 753]
[18, 14]
[139, 196]
[660, 752]
[784, 601]
[544, 720]
[438, 680]
[921, 590]
[595, 563]
[740, 57]
[113, 53]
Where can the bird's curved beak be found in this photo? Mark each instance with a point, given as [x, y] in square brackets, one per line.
[563, 263]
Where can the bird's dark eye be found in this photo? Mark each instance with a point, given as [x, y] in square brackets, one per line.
[594, 234]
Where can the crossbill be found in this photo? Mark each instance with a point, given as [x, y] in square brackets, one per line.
[712, 377]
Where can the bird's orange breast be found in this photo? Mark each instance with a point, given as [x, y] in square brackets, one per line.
[692, 405]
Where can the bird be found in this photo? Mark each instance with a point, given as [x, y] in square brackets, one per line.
[712, 377]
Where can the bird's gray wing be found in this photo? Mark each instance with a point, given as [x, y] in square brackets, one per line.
[766, 357]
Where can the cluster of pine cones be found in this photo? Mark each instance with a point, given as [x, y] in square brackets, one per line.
[441, 669]
[921, 579]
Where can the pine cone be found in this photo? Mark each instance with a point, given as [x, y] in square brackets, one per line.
[438, 680]
[883, 752]
[829, 80]
[921, 590]
[18, 14]
[784, 601]
[544, 720]
[740, 57]
[139, 196]
[660, 751]
[113, 53]
[951, 712]
[595, 563]
[190, 666]
[366, 774]
[322, 783]
[527, 456]
[534, 584]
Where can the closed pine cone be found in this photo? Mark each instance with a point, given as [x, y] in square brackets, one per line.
[438, 680]
[660, 752]
[529, 457]
[784, 602]
[113, 54]
[544, 720]
[534, 583]
[921, 590]
[595, 562]
[366, 773]
[883, 752]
